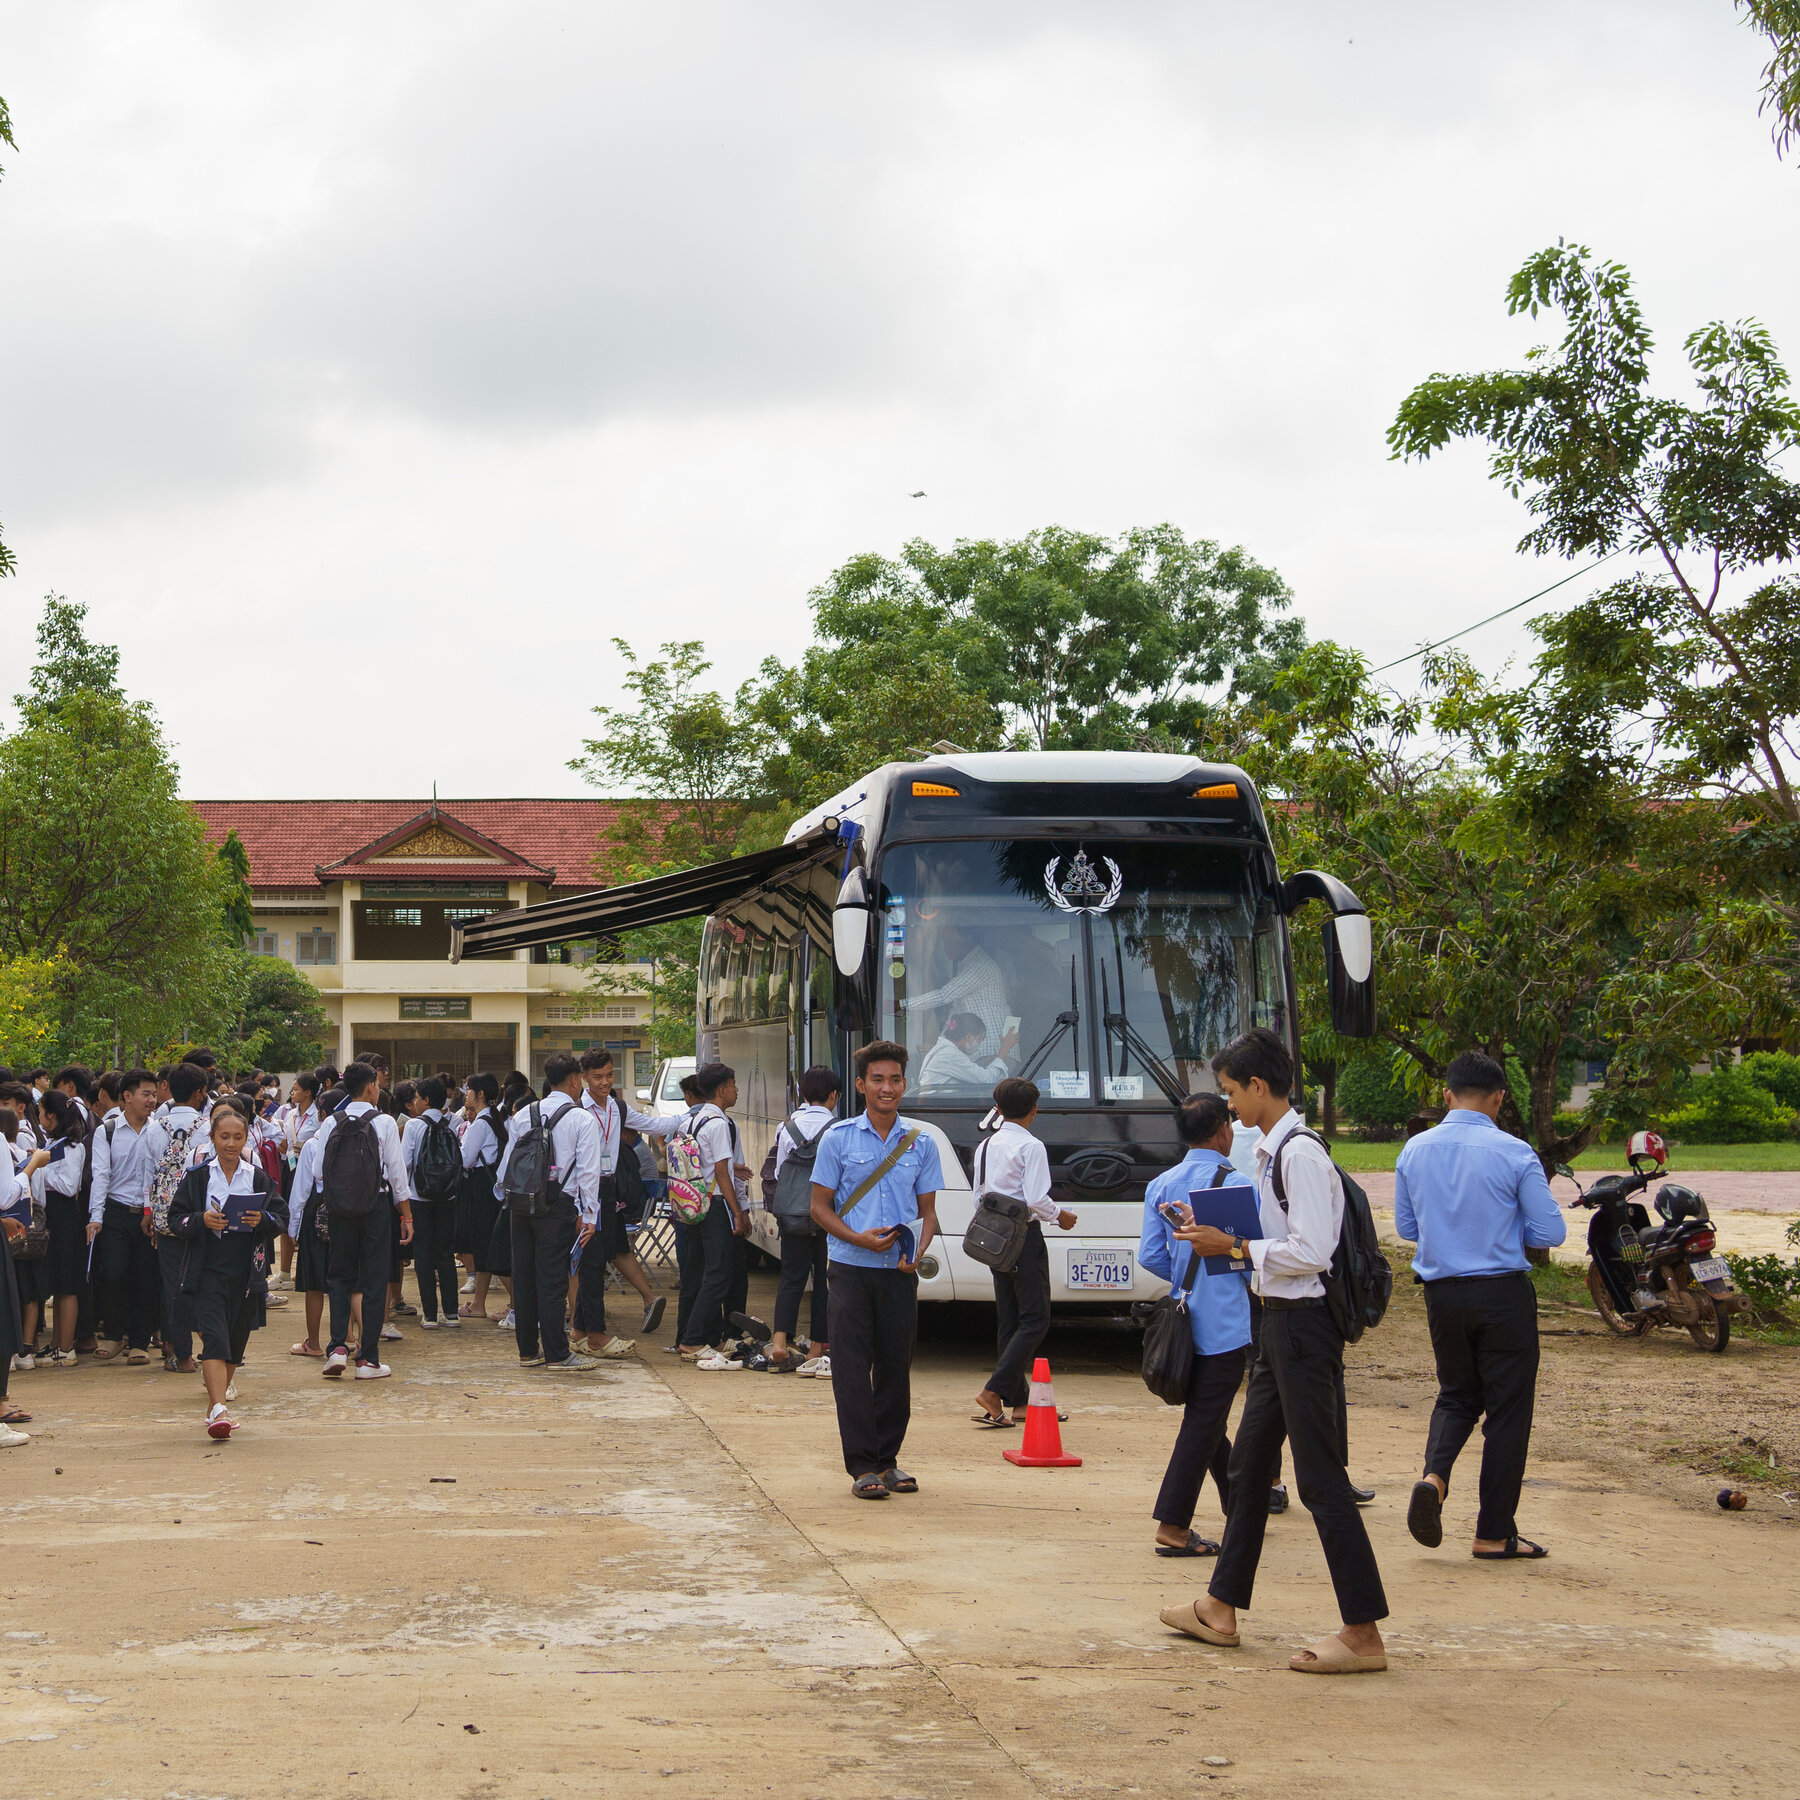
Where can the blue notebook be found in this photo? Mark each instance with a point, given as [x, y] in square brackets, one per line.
[1230, 1209]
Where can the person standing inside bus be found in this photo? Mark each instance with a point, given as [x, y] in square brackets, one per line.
[883, 1170]
[1014, 1163]
[1294, 1387]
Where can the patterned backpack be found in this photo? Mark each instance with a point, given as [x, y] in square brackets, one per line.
[691, 1177]
[170, 1170]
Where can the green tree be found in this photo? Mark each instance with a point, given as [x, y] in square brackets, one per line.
[1679, 679]
[1779, 22]
[1072, 639]
[102, 866]
[234, 877]
[68, 662]
[1490, 935]
[7, 564]
[282, 1025]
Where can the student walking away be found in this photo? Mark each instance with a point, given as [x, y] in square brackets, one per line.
[434, 1167]
[296, 1124]
[703, 1156]
[1218, 1312]
[405, 1102]
[550, 1182]
[127, 1276]
[623, 1200]
[875, 1187]
[222, 1211]
[1474, 1199]
[489, 1228]
[1294, 1386]
[55, 1174]
[308, 1222]
[804, 1247]
[363, 1176]
[690, 1258]
[1014, 1163]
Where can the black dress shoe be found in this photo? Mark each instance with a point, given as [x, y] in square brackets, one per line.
[1362, 1496]
[1278, 1499]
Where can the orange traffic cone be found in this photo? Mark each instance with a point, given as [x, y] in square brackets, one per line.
[1042, 1448]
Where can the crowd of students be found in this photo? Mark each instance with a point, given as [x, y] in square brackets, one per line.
[142, 1208]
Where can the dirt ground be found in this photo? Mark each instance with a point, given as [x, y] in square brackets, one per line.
[473, 1581]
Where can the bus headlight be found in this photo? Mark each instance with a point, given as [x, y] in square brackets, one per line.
[928, 1267]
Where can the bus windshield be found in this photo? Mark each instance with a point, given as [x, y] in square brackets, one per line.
[1107, 972]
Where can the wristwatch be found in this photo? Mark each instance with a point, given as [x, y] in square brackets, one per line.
[1237, 1249]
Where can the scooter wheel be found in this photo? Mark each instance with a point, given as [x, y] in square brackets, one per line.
[1626, 1325]
[1712, 1331]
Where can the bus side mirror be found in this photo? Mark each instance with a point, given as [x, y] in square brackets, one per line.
[1350, 974]
[850, 924]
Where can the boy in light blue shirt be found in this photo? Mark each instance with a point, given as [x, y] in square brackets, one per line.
[1218, 1313]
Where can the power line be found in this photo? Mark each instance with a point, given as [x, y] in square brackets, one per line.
[1423, 649]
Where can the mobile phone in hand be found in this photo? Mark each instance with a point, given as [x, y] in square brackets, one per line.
[1176, 1212]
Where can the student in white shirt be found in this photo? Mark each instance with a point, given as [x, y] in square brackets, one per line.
[709, 1275]
[543, 1247]
[1014, 1163]
[1294, 1385]
[434, 1214]
[312, 1254]
[488, 1230]
[127, 1280]
[805, 1254]
[294, 1123]
[55, 1176]
[950, 1066]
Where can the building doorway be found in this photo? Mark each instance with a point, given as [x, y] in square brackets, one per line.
[420, 1053]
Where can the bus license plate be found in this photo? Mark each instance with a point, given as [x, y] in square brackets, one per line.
[1100, 1271]
[1713, 1268]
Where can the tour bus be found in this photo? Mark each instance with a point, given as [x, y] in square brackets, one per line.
[1101, 922]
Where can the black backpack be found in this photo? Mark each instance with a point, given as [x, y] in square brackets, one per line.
[526, 1186]
[789, 1194]
[438, 1167]
[351, 1165]
[1360, 1282]
[630, 1195]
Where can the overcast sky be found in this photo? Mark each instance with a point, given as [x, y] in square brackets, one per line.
[366, 369]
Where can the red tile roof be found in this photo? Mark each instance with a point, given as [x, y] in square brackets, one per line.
[289, 840]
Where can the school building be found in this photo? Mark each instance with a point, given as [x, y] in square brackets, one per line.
[360, 896]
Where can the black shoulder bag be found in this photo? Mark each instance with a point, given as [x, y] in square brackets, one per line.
[1168, 1335]
[997, 1235]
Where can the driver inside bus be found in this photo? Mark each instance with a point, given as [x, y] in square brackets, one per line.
[977, 987]
[950, 1066]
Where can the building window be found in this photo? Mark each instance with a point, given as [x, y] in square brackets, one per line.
[394, 915]
[263, 943]
[315, 947]
[461, 915]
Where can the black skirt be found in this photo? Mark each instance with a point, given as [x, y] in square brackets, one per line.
[66, 1267]
[32, 1280]
[12, 1330]
[310, 1250]
[225, 1309]
[490, 1232]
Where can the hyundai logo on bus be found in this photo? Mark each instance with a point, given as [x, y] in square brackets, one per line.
[1099, 1170]
[1084, 884]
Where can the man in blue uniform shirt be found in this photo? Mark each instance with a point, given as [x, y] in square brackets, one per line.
[874, 1192]
[1474, 1198]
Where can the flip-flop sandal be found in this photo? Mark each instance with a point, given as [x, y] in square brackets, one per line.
[1517, 1549]
[1187, 1619]
[1062, 1418]
[300, 1349]
[751, 1327]
[1332, 1656]
[1196, 1545]
[15, 1418]
[992, 1421]
[1425, 1515]
[869, 1487]
[897, 1481]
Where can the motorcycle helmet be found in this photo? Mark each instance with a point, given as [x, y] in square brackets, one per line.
[1650, 1146]
[1676, 1203]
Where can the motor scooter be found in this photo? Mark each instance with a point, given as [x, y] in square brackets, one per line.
[1641, 1274]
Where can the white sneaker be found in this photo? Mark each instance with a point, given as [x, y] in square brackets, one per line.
[335, 1364]
[574, 1364]
[506, 1321]
[24, 1364]
[390, 1334]
[450, 1321]
[815, 1366]
[372, 1371]
[275, 1299]
[231, 1389]
[424, 1325]
[468, 1287]
[61, 1359]
[11, 1439]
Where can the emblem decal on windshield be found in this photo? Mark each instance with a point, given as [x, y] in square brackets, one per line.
[1083, 891]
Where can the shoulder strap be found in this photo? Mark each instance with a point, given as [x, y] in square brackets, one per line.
[112, 1125]
[879, 1172]
[1220, 1175]
[981, 1164]
[1275, 1181]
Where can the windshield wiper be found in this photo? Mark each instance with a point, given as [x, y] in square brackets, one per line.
[1064, 1021]
[1130, 1038]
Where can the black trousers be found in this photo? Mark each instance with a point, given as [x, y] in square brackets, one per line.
[541, 1249]
[1484, 1334]
[719, 1267]
[690, 1264]
[127, 1277]
[434, 1256]
[874, 1321]
[590, 1290]
[801, 1257]
[177, 1307]
[1294, 1394]
[1212, 1387]
[1021, 1319]
[361, 1259]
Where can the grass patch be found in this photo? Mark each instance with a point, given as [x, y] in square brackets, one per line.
[1750, 1461]
[1561, 1284]
[1367, 1159]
